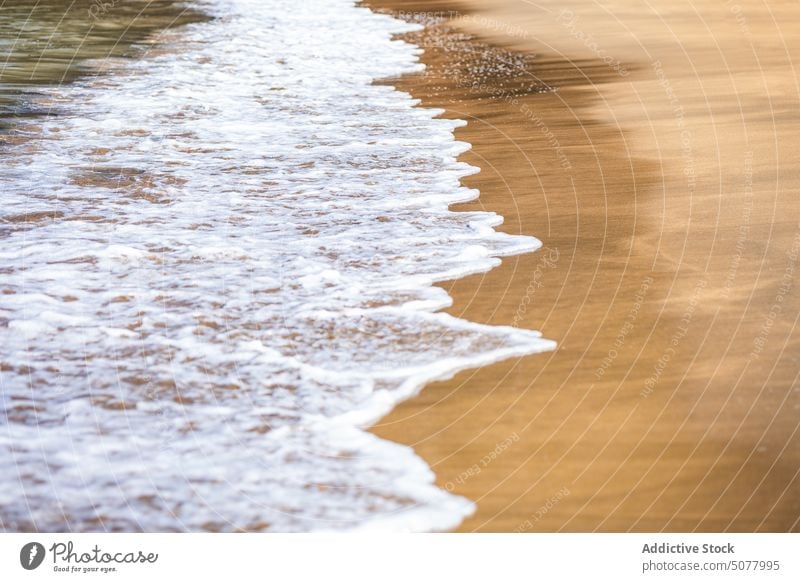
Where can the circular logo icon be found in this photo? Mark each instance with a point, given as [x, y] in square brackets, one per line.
[31, 555]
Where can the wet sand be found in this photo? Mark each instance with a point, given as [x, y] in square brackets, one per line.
[661, 175]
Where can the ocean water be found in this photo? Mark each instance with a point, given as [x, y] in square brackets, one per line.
[217, 270]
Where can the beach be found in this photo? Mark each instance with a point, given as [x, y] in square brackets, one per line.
[652, 149]
[485, 265]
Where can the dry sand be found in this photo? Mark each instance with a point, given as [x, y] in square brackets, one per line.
[662, 178]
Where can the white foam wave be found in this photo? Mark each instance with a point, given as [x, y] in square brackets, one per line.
[225, 273]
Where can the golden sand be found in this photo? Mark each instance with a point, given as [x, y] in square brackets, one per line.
[662, 177]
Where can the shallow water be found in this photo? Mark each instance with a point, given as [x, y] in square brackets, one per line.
[218, 264]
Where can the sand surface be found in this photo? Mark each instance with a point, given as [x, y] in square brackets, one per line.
[661, 175]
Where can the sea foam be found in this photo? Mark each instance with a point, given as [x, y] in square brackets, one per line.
[230, 276]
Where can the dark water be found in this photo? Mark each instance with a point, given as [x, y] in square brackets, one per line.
[53, 42]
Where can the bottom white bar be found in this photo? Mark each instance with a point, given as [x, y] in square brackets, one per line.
[398, 557]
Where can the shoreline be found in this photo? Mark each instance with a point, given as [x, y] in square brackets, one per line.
[650, 198]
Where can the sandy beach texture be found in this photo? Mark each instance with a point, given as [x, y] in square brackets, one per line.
[653, 148]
